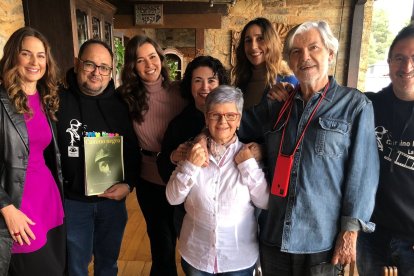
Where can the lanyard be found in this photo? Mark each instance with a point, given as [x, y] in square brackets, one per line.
[289, 104]
[284, 163]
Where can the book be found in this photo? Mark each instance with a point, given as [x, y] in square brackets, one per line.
[104, 163]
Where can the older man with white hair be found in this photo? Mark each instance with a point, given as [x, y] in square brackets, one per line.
[323, 162]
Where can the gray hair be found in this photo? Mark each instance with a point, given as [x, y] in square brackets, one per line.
[225, 94]
[329, 40]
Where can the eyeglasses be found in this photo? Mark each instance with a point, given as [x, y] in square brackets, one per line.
[89, 66]
[401, 60]
[230, 116]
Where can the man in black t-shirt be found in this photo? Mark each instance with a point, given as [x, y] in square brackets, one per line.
[90, 104]
[392, 243]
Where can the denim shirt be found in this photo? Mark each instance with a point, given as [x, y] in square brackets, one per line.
[335, 172]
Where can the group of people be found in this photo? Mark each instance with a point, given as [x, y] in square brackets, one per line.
[286, 169]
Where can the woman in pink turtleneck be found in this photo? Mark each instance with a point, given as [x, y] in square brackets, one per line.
[153, 101]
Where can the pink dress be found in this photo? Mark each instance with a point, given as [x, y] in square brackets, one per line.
[41, 201]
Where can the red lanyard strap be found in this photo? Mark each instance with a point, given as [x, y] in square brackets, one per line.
[285, 106]
[307, 123]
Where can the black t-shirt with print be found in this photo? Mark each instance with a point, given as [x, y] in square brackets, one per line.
[394, 207]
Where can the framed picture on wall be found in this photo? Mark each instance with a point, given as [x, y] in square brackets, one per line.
[96, 28]
[148, 14]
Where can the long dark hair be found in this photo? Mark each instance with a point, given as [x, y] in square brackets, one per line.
[132, 88]
[202, 61]
[12, 81]
[242, 72]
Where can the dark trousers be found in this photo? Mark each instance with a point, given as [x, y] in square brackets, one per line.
[381, 248]
[277, 263]
[94, 228]
[48, 260]
[158, 214]
[192, 271]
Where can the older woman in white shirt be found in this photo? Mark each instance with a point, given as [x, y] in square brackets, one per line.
[219, 232]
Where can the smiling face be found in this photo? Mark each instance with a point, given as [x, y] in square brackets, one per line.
[222, 130]
[309, 59]
[93, 83]
[31, 63]
[254, 45]
[148, 65]
[401, 68]
[203, 80]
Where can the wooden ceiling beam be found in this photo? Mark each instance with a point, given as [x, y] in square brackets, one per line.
[174, 7]
[173, 21]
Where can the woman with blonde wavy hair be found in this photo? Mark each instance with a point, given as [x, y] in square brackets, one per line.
[259, 65]
[31, 212]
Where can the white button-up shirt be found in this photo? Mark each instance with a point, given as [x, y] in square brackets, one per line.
[220, 224]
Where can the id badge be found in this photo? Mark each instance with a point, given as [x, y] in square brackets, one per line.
[73, 151]
[281, 176]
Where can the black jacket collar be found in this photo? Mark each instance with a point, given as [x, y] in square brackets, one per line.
[16, 118]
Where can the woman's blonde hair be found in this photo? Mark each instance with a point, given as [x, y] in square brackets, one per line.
[284, 69]
[12, 81]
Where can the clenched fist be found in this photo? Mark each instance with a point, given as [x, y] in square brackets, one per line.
[197, 155]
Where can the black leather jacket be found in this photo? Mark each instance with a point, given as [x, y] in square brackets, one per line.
[14, 154]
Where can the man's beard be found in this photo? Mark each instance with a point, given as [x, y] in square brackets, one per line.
[86, 89]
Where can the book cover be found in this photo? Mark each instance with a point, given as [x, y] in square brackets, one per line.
[104, 163]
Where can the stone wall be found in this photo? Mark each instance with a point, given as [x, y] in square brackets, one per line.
[218, 42]
[11, 19]
[337, 13]
[179, 38]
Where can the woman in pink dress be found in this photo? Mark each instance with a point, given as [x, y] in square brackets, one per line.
[32, 237]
